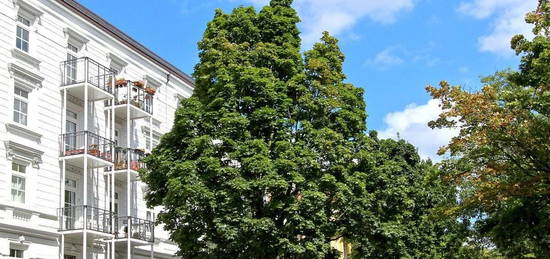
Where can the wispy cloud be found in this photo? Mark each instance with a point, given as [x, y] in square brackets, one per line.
[396, 55]
[507, 20]
[411, 124]
[385, 59]
[338, 16]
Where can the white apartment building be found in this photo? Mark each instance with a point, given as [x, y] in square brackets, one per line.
[80, 104]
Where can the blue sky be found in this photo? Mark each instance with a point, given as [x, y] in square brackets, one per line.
[393, 48]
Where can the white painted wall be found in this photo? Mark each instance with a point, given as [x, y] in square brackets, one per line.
[48, 43]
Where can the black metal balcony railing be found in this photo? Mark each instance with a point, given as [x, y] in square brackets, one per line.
[135, 228]
[133, 93]
[121, 158]
[76, 217]
[75, 144]
[87, 70]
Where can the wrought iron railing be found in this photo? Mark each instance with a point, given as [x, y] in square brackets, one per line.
[135, 158]
[87, 70]
[78, 217]
[75, 144]
[133, 93]
[135, 228]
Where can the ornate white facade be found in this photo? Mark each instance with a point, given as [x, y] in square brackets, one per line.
[80, 104]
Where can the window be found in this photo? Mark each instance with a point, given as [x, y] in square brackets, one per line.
[72, 63]
[16, 253]
[116, 138]
[23, 20]
[155, 142]
[18, 182]
[20, 106]
[179, 98]
[115, 209]
[22, 36]
[72, 48]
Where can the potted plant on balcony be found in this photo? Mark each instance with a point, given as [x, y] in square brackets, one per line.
[119, 165]
[93, 150]
[139, 84]
[134, 165]
[120, 82]
[150, 90]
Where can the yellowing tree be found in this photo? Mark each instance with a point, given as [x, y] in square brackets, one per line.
[501, 158]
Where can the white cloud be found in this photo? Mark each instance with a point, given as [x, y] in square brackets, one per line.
[508, 20]
[396, 55]
[385, 59]
[338, 16]
[411, 124]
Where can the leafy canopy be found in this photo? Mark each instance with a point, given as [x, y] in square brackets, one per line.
[268, 158]
[500, 158]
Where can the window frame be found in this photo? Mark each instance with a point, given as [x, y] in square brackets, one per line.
[22, 251]
[72, 67]
[25, 27]
[155, 141]
[18, 97]
[21, 174]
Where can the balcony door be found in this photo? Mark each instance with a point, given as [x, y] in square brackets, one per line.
[71, 67]
[70, 203]
[71, 128]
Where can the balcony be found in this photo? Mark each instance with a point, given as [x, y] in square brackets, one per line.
[77, 146]
[75, 218]
[135, 159]
[76, 73]
[122, 162]
[135, 228]
[135, 95]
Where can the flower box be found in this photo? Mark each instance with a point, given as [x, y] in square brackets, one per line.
[139, 84]
[134, 165]
[121, 82]
[94, 152]
[73, 152]
[150, 90]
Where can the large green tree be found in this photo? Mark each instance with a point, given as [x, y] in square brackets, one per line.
[269, 159]
[501, 158]
[394, 196]
[241, 173]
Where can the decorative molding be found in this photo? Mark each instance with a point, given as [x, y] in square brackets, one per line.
[26, 57]
[25, 77]
[22, 130]
[23, 6]
[112, 58]
[70, 33]
[151, 81]
[22, 152]
[156, 123]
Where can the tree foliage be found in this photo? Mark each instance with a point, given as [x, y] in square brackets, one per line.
[500, 158]
[395, 195]
[269, 159]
